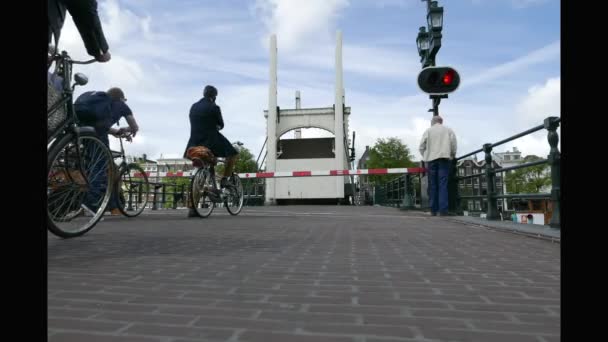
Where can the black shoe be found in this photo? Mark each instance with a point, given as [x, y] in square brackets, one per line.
[226, 183]
[193, 213]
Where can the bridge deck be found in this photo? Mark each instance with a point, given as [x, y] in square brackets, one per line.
[301, 273]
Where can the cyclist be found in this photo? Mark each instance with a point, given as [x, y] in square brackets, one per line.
[85, 16]
[205, 123]
[102, 110]
[86, 19]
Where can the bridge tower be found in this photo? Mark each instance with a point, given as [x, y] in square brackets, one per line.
[307, 153]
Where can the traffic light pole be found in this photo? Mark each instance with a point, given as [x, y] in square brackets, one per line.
[430, 61]
[436, 101]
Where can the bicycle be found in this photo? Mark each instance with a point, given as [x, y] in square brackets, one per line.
[204, 193]
[131, 181]
[79, 165]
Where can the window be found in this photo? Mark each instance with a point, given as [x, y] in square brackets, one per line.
[507, 158]
[468, 170]
[461, 172]
[477, 206]
[516, 158]
[471, 205]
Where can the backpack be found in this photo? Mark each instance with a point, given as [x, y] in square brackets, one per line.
[94, 108]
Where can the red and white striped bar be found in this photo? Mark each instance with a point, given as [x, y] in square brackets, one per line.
[283, 174]
[331, 173]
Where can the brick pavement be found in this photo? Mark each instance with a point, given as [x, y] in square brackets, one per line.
[301, 273]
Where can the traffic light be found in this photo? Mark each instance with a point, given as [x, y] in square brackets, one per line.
[438, 80]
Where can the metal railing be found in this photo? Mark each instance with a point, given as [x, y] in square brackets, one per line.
[399, 192]
[553, 160]
[173, 196]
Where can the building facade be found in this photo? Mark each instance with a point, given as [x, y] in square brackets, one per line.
[477, 186]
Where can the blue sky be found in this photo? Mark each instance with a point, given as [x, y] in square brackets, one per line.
[165, 52]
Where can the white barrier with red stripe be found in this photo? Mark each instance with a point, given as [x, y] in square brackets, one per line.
[281, 174]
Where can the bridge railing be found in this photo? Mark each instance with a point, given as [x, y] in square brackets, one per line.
[168, 195]
[254, 191]
[551, 124]
[398, 192]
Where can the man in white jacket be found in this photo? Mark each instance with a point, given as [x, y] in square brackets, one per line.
[438, 147]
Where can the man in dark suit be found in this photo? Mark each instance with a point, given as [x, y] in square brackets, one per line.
[205, 123]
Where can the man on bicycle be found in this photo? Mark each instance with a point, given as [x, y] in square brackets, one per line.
[205, 123]
[86, 19]
[102, 110]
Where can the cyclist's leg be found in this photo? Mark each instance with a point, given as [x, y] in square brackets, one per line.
[98, 179]
[114, 203]
[229, 167]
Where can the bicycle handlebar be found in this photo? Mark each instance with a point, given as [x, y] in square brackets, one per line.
[90, 61]
[57, 57]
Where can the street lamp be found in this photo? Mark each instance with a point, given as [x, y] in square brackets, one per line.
[429, 42]
[422, 41]
[434, 17]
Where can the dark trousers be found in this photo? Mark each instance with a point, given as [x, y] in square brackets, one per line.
[438, 184]
[97, 176]
[99, 181]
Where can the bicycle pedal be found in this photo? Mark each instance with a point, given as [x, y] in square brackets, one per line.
[214, 197]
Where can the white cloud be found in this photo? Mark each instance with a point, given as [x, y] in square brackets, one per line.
[540, 102]
[533, 144]
[119, 23]
[163, 69]
[542, 55]
[297, 23]
[368, 61]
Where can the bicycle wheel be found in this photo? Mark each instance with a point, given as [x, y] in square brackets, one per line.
[78, 189]
[133, 190]
[234, 196]
[200, 186]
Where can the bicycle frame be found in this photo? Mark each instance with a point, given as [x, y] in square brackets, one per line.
[123, 156]
[70, 126]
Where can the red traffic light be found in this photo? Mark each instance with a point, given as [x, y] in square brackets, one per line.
[438, 80]
[448, 77]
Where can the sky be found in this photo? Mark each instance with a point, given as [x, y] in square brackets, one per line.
[164, 52]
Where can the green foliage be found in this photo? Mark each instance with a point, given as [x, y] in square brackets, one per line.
[388, 153]
[530, 179]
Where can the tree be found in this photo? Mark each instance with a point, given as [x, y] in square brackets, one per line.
[245, 163]
[388, 153]
[530, 179]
